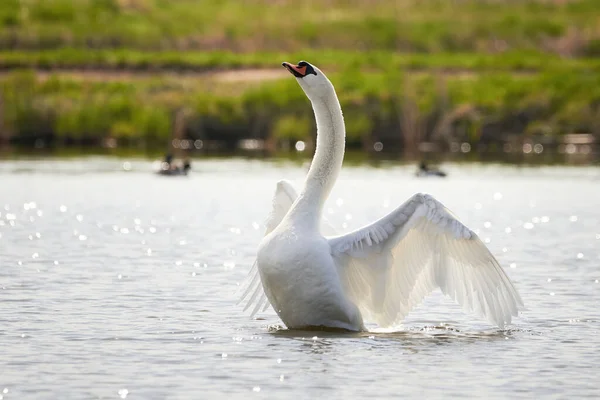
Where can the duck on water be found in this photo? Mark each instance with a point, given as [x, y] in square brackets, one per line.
[169, 168]
[315, 278]
[425, 170]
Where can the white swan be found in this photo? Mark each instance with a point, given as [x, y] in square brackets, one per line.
[377, 273]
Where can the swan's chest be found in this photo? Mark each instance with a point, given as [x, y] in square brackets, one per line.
[292, 260]
[301, 281]
[289, 249]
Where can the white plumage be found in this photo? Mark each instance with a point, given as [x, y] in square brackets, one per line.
[377, 273]
[389, 266]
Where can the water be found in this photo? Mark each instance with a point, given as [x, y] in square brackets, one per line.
[122, 284]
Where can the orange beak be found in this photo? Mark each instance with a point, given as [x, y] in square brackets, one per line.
[298, 72]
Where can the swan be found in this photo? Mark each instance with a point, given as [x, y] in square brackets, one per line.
[377, 273]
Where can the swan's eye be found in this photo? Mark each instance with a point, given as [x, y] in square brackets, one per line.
[310, 70]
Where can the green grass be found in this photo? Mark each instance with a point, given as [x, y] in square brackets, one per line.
[375, 107]
[69, 58]
[259, 25]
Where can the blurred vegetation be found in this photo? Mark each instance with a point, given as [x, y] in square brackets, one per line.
[405, 70]
[561, 26]
[196, 61]
[384, 106]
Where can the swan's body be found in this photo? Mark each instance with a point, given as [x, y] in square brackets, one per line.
[378, 272]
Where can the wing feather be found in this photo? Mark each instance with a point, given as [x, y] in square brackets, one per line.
[388, 267]
[254, 294]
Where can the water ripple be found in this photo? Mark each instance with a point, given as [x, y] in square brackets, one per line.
[116, 284]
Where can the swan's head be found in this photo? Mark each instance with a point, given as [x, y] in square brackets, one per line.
[314, 83]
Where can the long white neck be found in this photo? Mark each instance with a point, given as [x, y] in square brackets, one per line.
[326, 164]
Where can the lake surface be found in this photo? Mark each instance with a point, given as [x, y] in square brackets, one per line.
[123, 284]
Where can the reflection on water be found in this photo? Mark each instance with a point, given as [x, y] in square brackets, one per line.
[409, 339]
[433, 331]
[116, 283]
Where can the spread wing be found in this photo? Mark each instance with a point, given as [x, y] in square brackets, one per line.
[388, 267]
[284, 197]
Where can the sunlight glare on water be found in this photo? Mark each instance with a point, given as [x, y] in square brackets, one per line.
[116, 283]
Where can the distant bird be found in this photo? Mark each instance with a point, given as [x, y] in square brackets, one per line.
[168, 168]
[377, 273]
[424, 170]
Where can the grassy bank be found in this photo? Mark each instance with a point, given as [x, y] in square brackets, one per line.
[406, 70]
[397, 109]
